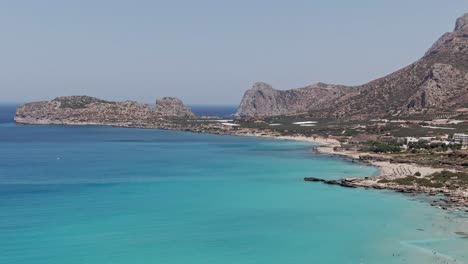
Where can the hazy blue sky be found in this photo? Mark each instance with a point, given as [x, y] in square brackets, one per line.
[207, 51]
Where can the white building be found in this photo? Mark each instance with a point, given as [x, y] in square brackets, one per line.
[411, 140]
[461, 138]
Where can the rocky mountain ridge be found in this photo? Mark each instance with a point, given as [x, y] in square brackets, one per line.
[438, 82]
[263, 100]
[90, 110]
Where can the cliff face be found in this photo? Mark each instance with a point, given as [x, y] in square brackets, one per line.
[90, 110]
[438, 82]
[263, 100]
[172, 107]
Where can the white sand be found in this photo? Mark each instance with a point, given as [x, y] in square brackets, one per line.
[230, 124]
[305, 122]
[386, 168]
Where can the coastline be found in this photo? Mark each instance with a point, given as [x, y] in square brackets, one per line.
[453, 199]
[388, 170]
[305, 201]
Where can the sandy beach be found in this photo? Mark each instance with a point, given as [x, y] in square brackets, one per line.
[387, 169]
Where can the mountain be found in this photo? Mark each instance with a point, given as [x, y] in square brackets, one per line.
[263, 100]
[90, 110]
[436, 83]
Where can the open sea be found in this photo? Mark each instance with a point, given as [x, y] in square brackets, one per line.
[98, 195]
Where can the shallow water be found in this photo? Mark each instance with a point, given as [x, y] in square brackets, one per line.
[115, 195]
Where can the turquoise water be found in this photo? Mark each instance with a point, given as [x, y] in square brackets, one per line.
[115, 195]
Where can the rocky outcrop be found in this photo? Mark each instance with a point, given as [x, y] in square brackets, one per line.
[454, 199]
[263, 100]
[340, 182]
[172, 107]
[462, 23]
[436, 83]
[84, 110]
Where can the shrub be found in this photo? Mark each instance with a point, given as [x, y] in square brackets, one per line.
[406, 181]
[391, 146]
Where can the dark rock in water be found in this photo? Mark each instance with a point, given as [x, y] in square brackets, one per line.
[463, 234]
[343, 183]
[331, 182]
[313, 179]
[347, 184]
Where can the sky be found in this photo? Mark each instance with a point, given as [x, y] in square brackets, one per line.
[207, 51]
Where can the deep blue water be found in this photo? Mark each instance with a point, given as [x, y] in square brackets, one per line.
[115, 195]
[224, 111]
[7, 112]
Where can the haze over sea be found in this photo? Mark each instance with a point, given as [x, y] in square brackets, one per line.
[114, 195]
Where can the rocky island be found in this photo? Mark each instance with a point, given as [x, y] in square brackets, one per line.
[87, 110]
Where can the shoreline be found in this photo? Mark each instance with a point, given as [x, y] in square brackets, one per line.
[453, 199]
[387, 170]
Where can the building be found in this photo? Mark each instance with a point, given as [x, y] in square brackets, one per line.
[461, 138]
[411, 140]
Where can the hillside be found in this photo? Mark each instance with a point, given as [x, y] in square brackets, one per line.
[437, 83]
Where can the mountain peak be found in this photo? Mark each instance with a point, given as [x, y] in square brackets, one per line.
[172, 107]
[436, 83]
[262, 86]
[462, 23]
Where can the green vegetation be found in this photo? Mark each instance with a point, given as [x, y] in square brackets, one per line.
[352, 128]
[450, 179]
[456, 177]
[77, 102]
[388, 146]
[429, 183]
[384, 181]
[409, 180]
[414, 147]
